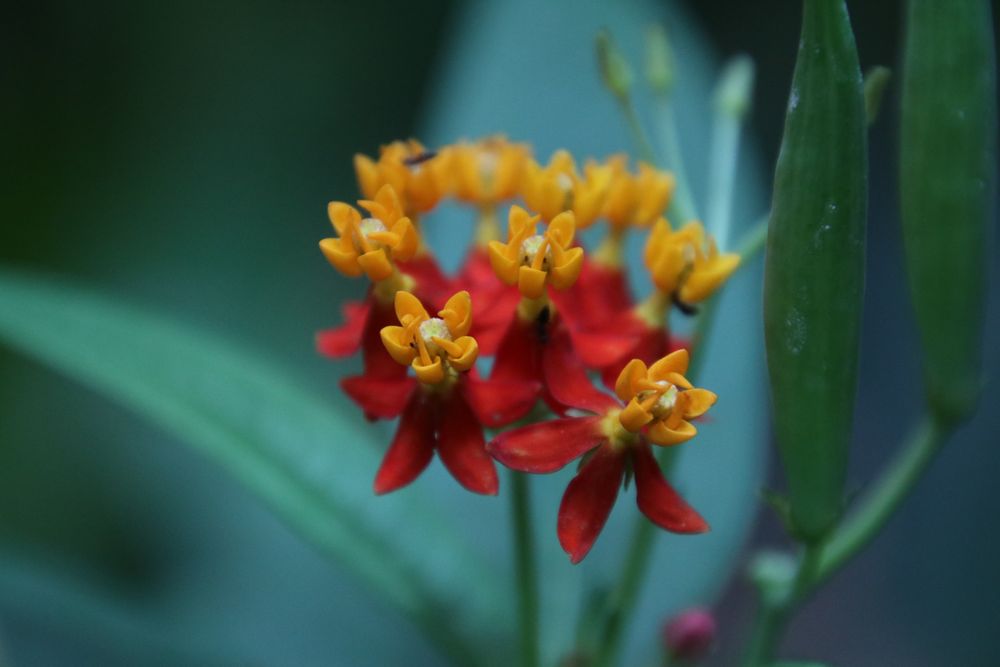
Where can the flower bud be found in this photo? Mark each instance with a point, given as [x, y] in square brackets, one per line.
[659, 60]
[615, 71]
[689, 635]
[735, 87]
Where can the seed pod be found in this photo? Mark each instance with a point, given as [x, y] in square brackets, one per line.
[948, 171]
[814, 276]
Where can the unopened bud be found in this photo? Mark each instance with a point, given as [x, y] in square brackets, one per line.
[659, 60]
[735, 88]
[615, 71]
[689, 636]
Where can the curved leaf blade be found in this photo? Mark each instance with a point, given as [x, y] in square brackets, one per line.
[307, 459]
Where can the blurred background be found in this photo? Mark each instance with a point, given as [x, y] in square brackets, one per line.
[180, 156]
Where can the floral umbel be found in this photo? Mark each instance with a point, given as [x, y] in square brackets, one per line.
[550, 317]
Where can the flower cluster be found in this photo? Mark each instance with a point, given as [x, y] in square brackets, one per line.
[550, 316]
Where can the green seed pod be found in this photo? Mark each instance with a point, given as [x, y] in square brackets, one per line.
[948, 171]
[814, 275]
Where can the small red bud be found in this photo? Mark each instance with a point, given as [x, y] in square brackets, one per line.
[689, 635]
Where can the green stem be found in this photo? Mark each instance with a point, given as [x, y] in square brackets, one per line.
[639, 135]
[525, 571]
[622, 599]
[823, 561]
[723, 156]
[776, 608]
[887, 494]
[753, 241]
[682, 206]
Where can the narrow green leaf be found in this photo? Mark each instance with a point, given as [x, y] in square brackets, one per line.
[948, 176]
[814, 276]
[306, 459]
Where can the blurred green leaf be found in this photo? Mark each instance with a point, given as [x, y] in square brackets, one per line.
[95, 625]
[814, 276]
[311, 462]
[948, 175]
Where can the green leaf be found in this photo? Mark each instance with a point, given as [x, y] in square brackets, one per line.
[311, 462]
[948, 176]
[814, 275]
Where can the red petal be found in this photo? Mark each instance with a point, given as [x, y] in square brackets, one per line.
[412, 447]
[492, 310]
[599, 349]
[603, 293]
[477, 272]
[433, 287]
[650, 344]
[658, 500]
[379, 397]
[566, 379]
[499, 402]
[588, 501]
[547, 446]
[462, 448]
[519, 355]
[343, 341]
[377, 362]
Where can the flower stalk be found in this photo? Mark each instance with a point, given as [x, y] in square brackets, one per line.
[525, 567]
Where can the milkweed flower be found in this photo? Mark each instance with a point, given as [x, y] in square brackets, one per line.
[487, 173]
[686, 263]
[370, 246]
[421, 177]
[435, 414]
[559, 187]
[686, 268]
[536, 348]
[655, 408]
[634, 200]
[531, 260]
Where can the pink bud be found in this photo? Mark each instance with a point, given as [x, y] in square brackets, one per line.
[689, 635]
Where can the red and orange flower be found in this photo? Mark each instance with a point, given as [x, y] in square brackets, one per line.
[657, 404]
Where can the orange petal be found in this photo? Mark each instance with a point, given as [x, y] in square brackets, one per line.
[466, 358]
[431, 373]
[625, 386]
[457, 314]
[659, 433]
[341, 255]
[397, 342]
[407, 304]
[375, 264]
[531, 282]
[503, 265]
[634, 416]
[675, 362]
[342, 216]
[565, 273]
[696, 402]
